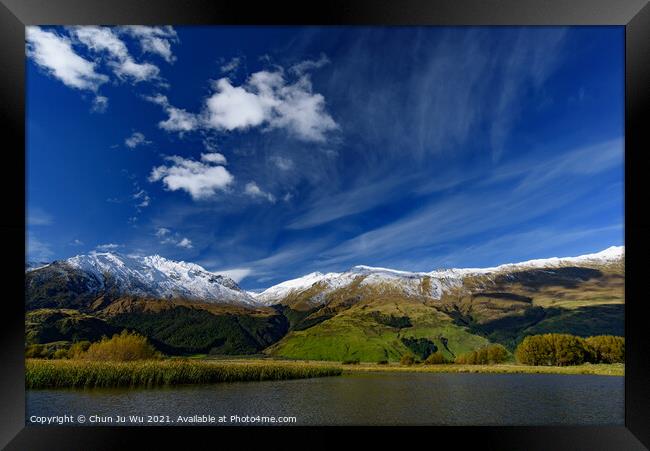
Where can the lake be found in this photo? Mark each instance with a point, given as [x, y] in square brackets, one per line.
[354, 399]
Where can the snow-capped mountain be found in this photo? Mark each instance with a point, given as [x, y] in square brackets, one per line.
[150, 276]
[411, 283]
[91, 275]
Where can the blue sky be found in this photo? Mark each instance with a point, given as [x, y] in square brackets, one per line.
[270, 152]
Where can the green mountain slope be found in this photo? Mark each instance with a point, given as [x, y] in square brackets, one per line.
[378, 329]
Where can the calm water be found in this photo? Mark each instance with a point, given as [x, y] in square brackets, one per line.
[363, 399]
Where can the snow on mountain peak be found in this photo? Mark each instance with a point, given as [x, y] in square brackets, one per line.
[301, 283]
[409, 282]
[610, 254]
[156, 276]
[159, 277]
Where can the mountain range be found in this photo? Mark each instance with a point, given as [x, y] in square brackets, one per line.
[366, 312]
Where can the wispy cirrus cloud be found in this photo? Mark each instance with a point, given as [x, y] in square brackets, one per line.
[38, 250]
[531, 244]
[36, 216]
[506, 198]
[232, 65]
[108, 247]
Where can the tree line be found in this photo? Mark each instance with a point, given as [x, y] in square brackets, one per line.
[565, 349]
[544, 350]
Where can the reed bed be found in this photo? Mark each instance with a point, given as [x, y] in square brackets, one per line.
[150, 373]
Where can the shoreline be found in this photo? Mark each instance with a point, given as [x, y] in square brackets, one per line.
[597, 369]
[42, 373]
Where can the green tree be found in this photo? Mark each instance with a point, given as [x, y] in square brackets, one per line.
[554, 349]
[485, 355]
[569, 349]
[607, 348]
[535, 350]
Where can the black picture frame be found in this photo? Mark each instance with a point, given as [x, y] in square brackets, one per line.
[633, 14]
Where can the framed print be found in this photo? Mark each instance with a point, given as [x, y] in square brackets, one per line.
[365, 215]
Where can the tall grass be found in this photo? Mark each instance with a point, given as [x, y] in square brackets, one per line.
[150, 373]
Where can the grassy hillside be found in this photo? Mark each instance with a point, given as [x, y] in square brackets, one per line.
[378, 329]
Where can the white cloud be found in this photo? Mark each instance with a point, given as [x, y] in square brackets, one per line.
[54, 53]
[135, 71]
[302, 112]
[213, 157]
[265, 99]
[307, 65]
[236, 274]
[143, 198]
[104, 40]
[162, 231]
[167, 237]
[101, 39]
[156, 40]
[231, 65]
[268, 99]
[233, 108]
[201, 180]
[185, 243]
[179, 120]
[253, 190]
[76, 242]
[136, 139]
[100, 104]
[107, 247]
